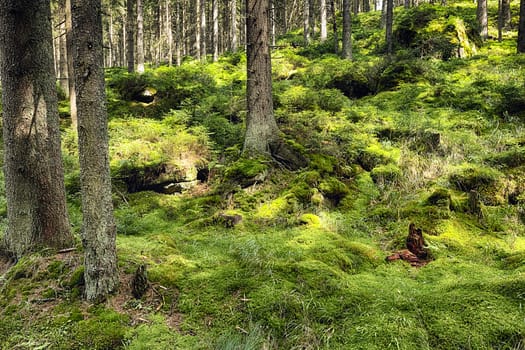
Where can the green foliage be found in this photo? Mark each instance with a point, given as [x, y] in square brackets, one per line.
[386, 175]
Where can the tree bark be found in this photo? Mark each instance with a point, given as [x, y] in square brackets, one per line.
[261, 127]
[334, 26]
[506, 13]
[70, 72]
[347, 30]
[215, 30]
[324, 31]
[521, 28]
[306, 21]
[203, 29]
[130, 42]
[169, 32]
[234, 24]
[34, 177]
[482, 17]
[389, 20]
[99, 230]
[140, 37]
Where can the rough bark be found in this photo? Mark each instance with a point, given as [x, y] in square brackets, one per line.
[334, 27]
[99, 230]
[324, 30]
[389, 20]
[140, 37]
[521, 28]
[130, 42]
[35, 193]
[261, 127]
[306, 21]
[347, 30]
[234, 44]
[203, 29]
[506, 13]
[482, 18]
[70, 73]
[215, 20]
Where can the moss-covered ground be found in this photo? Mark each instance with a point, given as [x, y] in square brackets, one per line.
[390, 141]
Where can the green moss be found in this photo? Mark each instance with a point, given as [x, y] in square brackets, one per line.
[311, 220]
[77, 277]
[384, 175]
[322, 164]
[490, 183]
[333, 189]
[247, 168]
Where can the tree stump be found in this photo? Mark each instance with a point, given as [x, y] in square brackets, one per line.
[416, 253]
[139, 284]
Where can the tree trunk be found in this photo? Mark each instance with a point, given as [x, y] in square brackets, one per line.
[521, 28]
[130, 42]
[70, 72]
[482, 17]
[204, 29]
[99, 230]
[389, 20]
[62, 62]
[306, 23]
[34, 177]
[261, 127]
[169, 32]
[347, 30]
[334, 27]
[324, 31]
[234, 25]
[215, 30]
[506, 13]
[140, 37]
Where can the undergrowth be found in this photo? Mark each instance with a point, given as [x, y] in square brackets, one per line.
[247, 255]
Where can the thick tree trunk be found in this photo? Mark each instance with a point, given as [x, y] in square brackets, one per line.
[347, 30]
[99, 230]
[130, 42]
[140, 37]
[521, 28]
[482, 17]
[261, 127]
[34, 178]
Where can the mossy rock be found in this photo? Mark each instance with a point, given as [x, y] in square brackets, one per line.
[384, 175]
[322, 163]
[375, 155]
[488, 182]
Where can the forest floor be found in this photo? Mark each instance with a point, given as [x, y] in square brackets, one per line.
[246, 254]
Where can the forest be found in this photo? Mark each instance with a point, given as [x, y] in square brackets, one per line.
[262, 174]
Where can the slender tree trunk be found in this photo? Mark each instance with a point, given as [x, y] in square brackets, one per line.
[140, 37]
[34, 177]
[506, 13]
[306, 21]
[111, 51]
[261, 127]
[62, 62]
[482, 19]
[130, 42]
[234, 25]
[99, 230]
[521, 28]
[198, 30]
[178, 34]
[500, 21]
[334, 27]
[204, 30]
[347, 30]
[324, 31]
[215, 19]
[169, 32]
[70, 72]
[389, 20]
